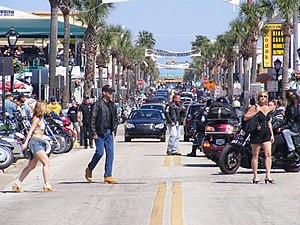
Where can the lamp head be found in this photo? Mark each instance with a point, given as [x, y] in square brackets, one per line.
[12, 37]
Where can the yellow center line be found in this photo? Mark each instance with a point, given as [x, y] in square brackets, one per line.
[157, 214]
[177, 159]
[167, 161]
[176, 204]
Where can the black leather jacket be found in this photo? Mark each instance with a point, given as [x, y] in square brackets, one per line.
[173, 113]
[100, 114]
[291, 119]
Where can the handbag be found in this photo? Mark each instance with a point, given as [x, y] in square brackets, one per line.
[250, 126]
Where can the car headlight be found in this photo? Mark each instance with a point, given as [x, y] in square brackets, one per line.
[129, 125]
[160, 126]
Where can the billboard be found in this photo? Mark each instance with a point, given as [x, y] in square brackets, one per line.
[273, 44]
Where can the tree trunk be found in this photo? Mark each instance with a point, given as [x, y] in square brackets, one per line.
[91, 46]
[66, 91]
[296, 13]
[230, 80]
[254, 62]
[216, 75]
[100, 76]
[113, 74]
[286, 60]
[53, 46]
[246, 74]
[119, 81]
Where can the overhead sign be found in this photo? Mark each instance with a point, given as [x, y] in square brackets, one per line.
[174, 66]
[273, 44]
[140, 82]
[210, 85]
[159, 53]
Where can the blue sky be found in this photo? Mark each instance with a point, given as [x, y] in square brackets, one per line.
[174, 23]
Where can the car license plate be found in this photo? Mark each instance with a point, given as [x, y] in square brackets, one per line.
[220, 141]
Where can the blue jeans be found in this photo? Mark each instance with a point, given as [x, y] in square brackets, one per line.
[104, 141]
[287, 134]
[174, 137]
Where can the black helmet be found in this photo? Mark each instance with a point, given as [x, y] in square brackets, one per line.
[222, 100]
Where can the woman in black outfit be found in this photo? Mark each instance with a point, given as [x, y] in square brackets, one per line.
[262, 136]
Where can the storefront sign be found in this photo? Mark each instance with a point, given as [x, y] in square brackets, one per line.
[273, 44]
[7, 12]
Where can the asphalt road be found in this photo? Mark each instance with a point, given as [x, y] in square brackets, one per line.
[154, 189]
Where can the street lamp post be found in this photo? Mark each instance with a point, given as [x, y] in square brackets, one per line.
[71, 65]
[277, 66]
[12, 38]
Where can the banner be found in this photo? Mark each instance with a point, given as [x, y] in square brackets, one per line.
[168, 54]
[175, 66]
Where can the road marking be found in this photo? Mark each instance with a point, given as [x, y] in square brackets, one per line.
[167, 161]
[157, 214]
[176, 205]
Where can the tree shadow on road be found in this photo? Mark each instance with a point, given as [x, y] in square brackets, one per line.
[246, 172]
[132, 142]
[199, 165]
[79, 182]
[13, 192]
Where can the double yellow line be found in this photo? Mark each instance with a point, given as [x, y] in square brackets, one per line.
[157, 215]
[168, 159]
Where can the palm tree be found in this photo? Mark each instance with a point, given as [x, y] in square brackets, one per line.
[65, 7]
[285, 9]
[92, 14]
[145, 39]
[53, 45]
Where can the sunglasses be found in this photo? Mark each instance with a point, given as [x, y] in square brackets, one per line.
[263, 96]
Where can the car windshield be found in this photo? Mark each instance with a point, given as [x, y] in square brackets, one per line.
[159, 107]
[194, 108]
[144, 115]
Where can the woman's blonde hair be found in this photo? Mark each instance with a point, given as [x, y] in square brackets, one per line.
[262, 92]
[39, 109]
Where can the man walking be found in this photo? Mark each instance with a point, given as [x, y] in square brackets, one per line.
[86, 110]
[173, 111]
[104, 128]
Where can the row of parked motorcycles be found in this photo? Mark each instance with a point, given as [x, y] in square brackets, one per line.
[59, 138]
[227, 143]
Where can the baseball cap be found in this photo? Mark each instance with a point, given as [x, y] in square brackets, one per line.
[8, 94]
[107, 88]
[52, 99]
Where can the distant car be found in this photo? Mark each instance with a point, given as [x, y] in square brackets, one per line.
[145, 123]
[161, 98]
[190, 114]
[157, 106]
[187, 94]
[186, 99]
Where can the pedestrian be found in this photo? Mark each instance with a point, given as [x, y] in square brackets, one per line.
[104, 129]
[262, 136]
[173, 111]
[54, 106]
[27, 105]
[10, 106]
[290, 128]
[84, 118]
[72, 114]
[37, 146]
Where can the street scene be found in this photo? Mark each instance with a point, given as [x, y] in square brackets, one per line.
[149, 112]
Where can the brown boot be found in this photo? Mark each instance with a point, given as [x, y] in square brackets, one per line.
[88, 175]
[110, 180]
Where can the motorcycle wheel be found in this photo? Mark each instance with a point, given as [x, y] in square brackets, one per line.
[6, 157]
[61, 146]
[70, 143]
[230, 160]
[292, 169]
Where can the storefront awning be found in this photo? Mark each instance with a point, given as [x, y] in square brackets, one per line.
[37, 28]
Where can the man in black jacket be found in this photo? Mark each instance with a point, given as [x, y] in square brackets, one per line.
[173, 112]
[104, 127]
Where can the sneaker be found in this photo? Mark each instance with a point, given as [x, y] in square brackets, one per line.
[169, 153]
[85, 147]
[176, 153]
[88, 175]
[110, 180]
[291, 154]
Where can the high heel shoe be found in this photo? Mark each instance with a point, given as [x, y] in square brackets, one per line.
[255, 181]
[269, 181]
[17, 188]
[48, 189]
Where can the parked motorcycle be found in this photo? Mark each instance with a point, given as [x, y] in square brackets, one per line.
[238, 153]
[6, 154]
[218, 133]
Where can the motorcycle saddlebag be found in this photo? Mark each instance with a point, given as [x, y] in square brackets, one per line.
[219, 113]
